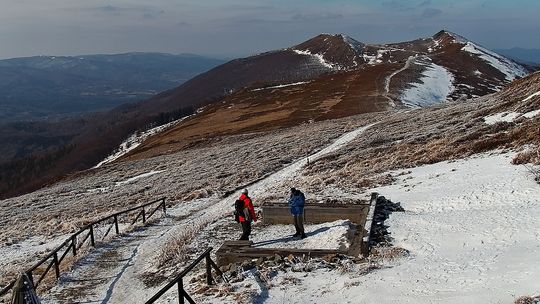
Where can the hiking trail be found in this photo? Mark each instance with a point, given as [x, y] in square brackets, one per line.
[112, 272]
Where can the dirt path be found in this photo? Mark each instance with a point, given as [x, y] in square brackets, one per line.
[389, 78]
[112, 273]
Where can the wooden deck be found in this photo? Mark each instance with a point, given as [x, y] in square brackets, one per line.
[360, 214]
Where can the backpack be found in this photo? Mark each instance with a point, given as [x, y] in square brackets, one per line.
[238, 209]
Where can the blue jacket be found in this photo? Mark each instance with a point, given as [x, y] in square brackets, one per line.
[296, 202]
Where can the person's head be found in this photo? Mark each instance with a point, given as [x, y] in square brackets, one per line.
[245, 191]
[293, 190]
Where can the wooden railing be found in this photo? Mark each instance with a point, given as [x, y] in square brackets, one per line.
[74, 243]
[179, 280]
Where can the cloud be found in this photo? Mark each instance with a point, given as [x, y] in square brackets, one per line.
[404, 6]
[314, 17]
[153, 14]
[145, 12]
[431, 12]
[397, 5]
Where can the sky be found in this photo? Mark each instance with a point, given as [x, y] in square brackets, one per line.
[237, 28]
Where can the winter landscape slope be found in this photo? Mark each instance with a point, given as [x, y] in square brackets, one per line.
[326, 77]
[459, 156]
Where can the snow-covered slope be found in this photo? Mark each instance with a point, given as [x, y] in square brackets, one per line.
[508, 67]
[471, 227]
[435, 86]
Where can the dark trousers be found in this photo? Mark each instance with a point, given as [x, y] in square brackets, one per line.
[246, 230]
[299, 223]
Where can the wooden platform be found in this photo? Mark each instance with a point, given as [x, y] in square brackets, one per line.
[238, 251]
[279, 213]
[360, 214]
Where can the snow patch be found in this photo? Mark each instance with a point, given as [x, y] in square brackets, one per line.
[508, 116]
[510, 69]
[500, 117]
[136, 139]
[531, 114]
[531, 96]
[436, 84]
[281, 86]
[372, 59]
[134, 178]
[319, 58]
[331, 235]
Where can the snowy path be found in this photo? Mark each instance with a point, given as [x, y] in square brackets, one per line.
[473, 232]
[134, 256]
[389, 78]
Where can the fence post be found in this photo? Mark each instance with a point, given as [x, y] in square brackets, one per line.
[143, 215]
[164, 207]
[181, 291]
[92, 241]
[74, 243]
[116, 224]
[31, 278]
[56, 265]
[209, 280]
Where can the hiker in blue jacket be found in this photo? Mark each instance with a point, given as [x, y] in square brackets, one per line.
[296, 202]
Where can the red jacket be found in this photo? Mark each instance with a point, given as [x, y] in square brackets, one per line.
[249, 205]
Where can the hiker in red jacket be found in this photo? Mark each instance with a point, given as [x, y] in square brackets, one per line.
[247, 216]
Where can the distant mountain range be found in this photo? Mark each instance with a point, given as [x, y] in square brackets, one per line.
[45, 87]
[530, 56]
[326, 77]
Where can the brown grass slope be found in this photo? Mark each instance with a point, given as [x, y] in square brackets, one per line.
[261, 110]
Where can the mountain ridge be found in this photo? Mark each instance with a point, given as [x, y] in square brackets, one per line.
[305, 85]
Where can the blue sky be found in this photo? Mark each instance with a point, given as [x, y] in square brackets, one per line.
[242, 27]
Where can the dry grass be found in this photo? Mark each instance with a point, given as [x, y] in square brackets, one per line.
[420, 137]
[387, 253]
[527, 300]
[177, 249]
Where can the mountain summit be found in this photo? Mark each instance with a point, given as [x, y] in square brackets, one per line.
[339, 52]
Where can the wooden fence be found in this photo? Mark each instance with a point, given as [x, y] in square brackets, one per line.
[74, 243]
[179, 280]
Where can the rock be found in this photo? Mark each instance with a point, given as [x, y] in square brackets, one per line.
[278, 258]
[329, 258]
[247, 265]
[225, 268]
